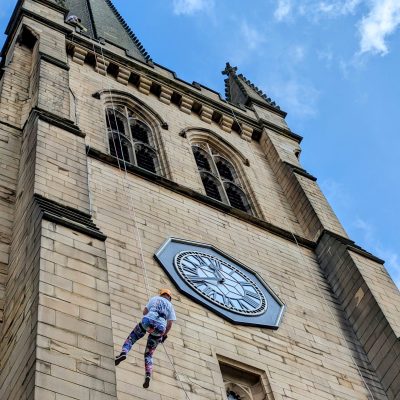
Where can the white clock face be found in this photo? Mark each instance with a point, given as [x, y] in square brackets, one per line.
[220, 282]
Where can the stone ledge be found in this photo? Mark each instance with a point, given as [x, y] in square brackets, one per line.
[54, 61]
[300, 171]
[350, 244]
[168, 184]
[55, 120]
[68, 217]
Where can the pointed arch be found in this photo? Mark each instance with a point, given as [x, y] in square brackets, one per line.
[222, 169]
[116, 96]
[134, 131]
[193, 133]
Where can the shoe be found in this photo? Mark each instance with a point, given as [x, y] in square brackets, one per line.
[146, 382]
[120, 358]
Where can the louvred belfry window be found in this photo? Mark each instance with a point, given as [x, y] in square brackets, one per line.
[131, 139]
[219, 177]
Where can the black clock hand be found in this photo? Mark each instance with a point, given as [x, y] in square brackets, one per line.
[204, 278]
[216, 267]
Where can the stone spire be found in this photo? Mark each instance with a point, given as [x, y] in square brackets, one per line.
[103, 21]
[239, 90]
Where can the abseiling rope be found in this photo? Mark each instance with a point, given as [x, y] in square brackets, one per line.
[132, 209]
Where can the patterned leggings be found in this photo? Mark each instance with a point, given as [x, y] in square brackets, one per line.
[155, 330]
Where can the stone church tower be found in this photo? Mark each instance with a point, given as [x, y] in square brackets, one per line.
[117, 179]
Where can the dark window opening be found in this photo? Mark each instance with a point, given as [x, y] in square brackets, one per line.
[225, 171]
[211, 187]
[201, 160]
[232, 395]
[126, 131]
[140, 131]
[115, 122]
[237, 198]
[120, 147]
[145, 158]
[219, 177]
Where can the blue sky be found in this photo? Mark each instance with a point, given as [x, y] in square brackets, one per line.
[332, 65]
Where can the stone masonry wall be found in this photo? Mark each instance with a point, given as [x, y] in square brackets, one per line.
[181, 169]
[306, 358]
[371, 302]
[74, 336]
[17, 347]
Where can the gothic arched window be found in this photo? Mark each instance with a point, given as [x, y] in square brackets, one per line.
[219, 177]
[130, 139]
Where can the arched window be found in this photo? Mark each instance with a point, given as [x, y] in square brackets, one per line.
[219, 177]
[130, 139]
[232, 395]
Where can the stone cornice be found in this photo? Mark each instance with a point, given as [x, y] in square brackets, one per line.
[54, 120]
[183, 87]
[185, 191]
[10, 125]
[68, 217]
[351, 245]
[300, 171]
[54, 61]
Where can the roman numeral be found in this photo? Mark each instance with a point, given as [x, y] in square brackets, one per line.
[227, 301]
[251, 294]
[196, 279]
[189, 268]
[250, 301]
[200, 260]
[209, 292]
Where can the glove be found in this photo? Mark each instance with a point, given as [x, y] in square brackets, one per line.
[163, 338]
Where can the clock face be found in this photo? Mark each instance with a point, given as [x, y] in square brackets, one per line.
[220, 282]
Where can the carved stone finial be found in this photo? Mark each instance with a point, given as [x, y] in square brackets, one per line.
[229, 70]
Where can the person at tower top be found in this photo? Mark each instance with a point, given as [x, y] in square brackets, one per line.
[158, 317]
[74, 20]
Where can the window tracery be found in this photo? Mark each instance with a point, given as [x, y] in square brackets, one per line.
[220, 179]
[131, 139]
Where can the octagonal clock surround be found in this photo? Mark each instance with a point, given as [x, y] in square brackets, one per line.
[220, 283]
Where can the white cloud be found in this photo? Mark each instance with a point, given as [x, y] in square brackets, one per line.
[297, 53]
[315, 9]
[252, 36]
[336, 8]
[392, 258]
[301, 99]
[283, 10]
[190, 7]
[383, 19]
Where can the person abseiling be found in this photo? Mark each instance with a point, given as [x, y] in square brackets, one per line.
[74, 20]
[158, 316]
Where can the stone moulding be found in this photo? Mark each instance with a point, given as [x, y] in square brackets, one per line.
[68, 217]
[190, 193]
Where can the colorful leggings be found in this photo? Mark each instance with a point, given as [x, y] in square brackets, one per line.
[156, 331]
